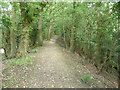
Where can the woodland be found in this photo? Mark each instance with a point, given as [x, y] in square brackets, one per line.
[88, 29]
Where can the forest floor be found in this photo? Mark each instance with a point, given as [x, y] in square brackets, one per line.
[54, 67]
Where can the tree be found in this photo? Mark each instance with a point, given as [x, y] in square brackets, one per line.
[73, 29]
[26, 20]
[40, 22]
[6, 23]
[13, 31]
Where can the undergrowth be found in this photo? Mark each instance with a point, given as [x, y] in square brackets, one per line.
[86, 78]
[22, 61]
[34, 50]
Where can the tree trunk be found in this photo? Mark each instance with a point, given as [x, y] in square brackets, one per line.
[72, 40]
[6, 36]
[49, 32]
[23, 45]
[13, 43]
[99, 47]
[39, 41]
[12, 33]
[6, 42]
[72, 30]
[119, 47]
[64, 37]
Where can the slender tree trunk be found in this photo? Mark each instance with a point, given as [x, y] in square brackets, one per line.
[49, 32]
[12, 33]
[118, 45]
[64, 37]
[6, 37]
[13, 43]
[99, 37]
[72, 40]
[72, 30]
[99, 47]
[50, 29]
[6, 42]
[39, 41]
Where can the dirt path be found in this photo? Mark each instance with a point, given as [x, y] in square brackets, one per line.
[55, 67]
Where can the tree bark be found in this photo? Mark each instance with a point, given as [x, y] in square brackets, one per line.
[23, 45]
[12, 33]
[49, 32]
[6, 42]
[72, 30]
[39, 35]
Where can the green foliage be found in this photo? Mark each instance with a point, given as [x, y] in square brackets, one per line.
[4, 86]
[95, 30]
[112, 63]
[34, 50]
[4, 4]
[91, 27]
[86, 78]
[6, 21]
[22, 61]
